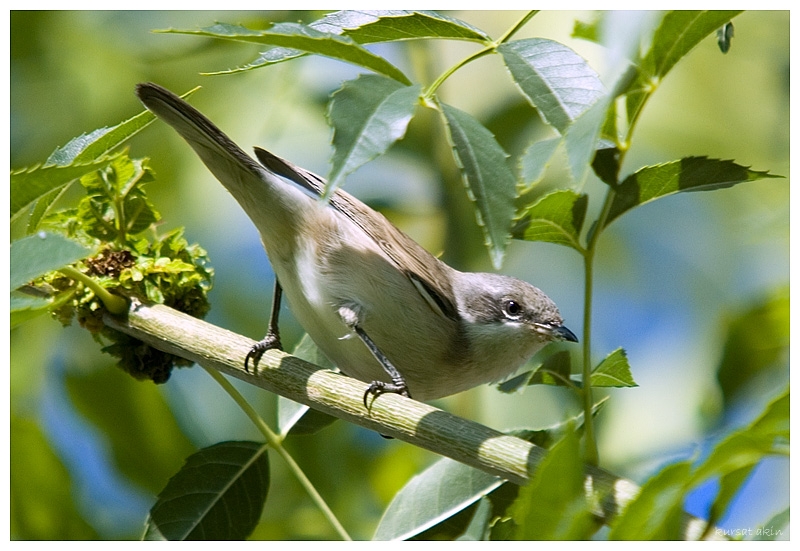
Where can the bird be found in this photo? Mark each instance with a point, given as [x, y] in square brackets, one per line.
[382, 308]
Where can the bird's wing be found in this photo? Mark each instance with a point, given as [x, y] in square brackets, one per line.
[430, 276]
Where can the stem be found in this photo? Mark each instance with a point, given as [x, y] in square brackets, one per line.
[113, 303]
[428, 94]
[513, 30]
[274, 441]
[489, 48]
[590, 443]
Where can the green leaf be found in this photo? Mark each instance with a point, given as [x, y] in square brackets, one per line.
[534, 160]
[25, 307]
[217, 495]
[553, 505]
[735, 457]
[769, 434]
[587, 30]
[606, 163]
[487, 175]
[28, 185]
[613, 371]
[146, 442]
[687, 174]
[90, 147]
[555, 370]
[115, 197]
[93, 145]
[774, 420]
[679, 32]
[439, 492]
[729, 485]
[304, 38]
[43, 252]
[479, 525]
[555, 218]
[556, 80]
[42, 206]
[368, 115]
[756, 342]
[657, 512]
[582, 138]
[79, 156]
[546, 437]
[369, 26]
[294, 418]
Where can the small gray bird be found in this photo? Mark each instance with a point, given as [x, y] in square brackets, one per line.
[376, 303]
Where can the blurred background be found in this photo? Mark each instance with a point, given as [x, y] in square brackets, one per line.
[675, 280]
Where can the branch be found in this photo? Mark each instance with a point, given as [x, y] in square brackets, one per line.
[336, 394]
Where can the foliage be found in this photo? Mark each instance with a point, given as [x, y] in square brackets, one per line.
[109, 241]
[78, 262]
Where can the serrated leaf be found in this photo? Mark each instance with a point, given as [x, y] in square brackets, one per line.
[534, 160]
[369, 26]
[93, 145]
[218, 495]
[42, 206]
[28, 185]
[40, 253]
[555, 218]
[553, 505]
[556, 80]
[306, 39]
[436, 494]
[487, 175]
[613, 371]
[368, 115]
[687, 174]
[43, 184]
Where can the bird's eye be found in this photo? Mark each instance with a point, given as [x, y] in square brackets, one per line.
[512, 309]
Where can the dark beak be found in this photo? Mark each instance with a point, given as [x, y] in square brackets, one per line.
[563, 334]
